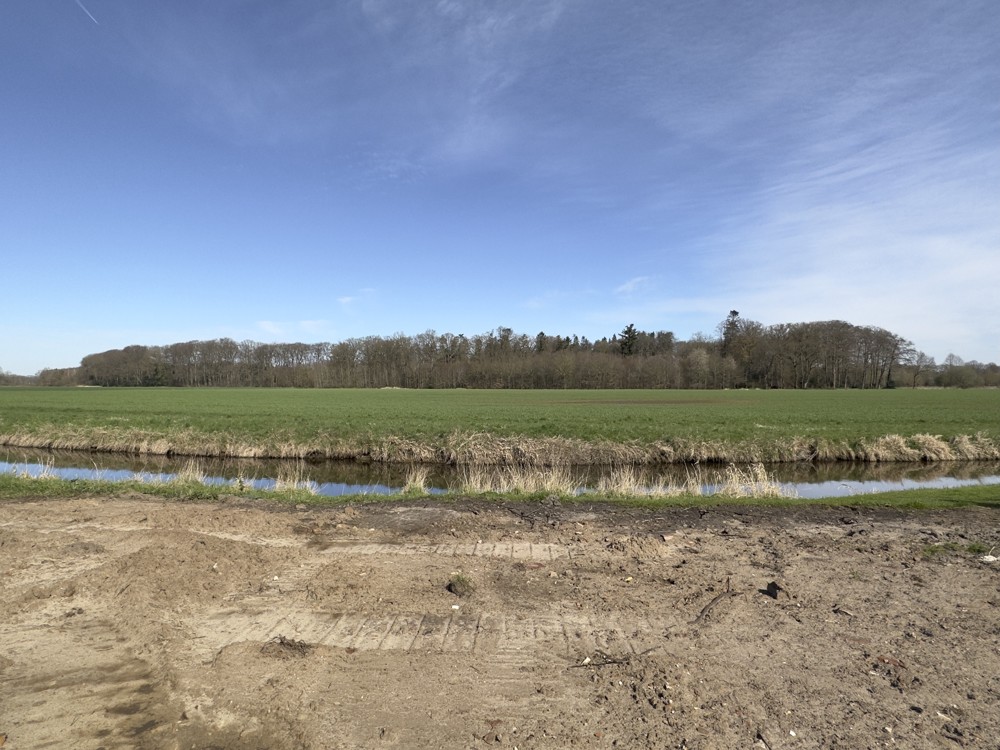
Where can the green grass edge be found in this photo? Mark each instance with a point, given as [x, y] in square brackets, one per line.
[14, 487]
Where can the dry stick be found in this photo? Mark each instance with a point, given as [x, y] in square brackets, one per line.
[606, 662]
[598, 663]
[708, 607]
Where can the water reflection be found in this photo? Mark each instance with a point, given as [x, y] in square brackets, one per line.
[333, 478]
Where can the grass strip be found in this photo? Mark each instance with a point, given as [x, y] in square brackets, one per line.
[14, 487]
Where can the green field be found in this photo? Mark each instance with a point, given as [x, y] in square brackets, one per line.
[498, 426]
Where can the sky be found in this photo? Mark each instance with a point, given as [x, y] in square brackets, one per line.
[317, 170]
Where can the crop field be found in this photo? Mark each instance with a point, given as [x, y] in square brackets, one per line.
[495, 426]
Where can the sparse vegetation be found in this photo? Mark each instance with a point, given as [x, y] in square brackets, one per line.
[191, 472]
[416, 480]
[943, 548]
[478, 479]
[15, 485]
[295, 478]
[749, 481]
[461, 585]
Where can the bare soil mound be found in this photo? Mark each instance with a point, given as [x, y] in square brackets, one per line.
[139, 623]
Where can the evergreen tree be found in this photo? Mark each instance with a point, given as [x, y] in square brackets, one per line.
[629, 336]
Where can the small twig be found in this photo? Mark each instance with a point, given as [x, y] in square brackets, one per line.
[762, 738]
[606, 661]
[708, 607]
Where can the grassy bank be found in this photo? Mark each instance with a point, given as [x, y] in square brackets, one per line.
[537, 428]
[17, 487]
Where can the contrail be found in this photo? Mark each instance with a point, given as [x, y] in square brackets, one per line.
[87, 12]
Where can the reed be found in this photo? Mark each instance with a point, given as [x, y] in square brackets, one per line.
[933, 448]
[192, 471]
[621, 482]
[416, 479]
[480, 479]
[484, 449]
[292, 478]
[243, 481]
[975, 448]
[751, 482]
[45, 472]
[632, 481]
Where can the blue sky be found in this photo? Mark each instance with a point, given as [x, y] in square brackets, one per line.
[314, 170]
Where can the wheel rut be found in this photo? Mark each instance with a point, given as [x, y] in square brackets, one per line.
[567, 635]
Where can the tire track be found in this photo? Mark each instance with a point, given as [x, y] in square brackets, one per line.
[567, 635]
[82, 677]
[519, 551]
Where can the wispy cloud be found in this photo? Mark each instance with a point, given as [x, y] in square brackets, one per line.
[314, 326]
[464, 59]
[633, 285]
[277, 87]
[271, 328]
[423, 81]
[909, 246]
[866, 174]
[288, 330]
[393, 166]
[349, 301]
[554, 299]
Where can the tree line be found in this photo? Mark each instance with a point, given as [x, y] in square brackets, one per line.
[743, 354]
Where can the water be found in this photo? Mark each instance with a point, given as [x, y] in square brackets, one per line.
[334, 478]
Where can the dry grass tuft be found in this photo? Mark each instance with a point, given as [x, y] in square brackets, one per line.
[749, 481]
[977, 447]
[621, 482]
[887, 448]
[295, 478]
[46, 472]
[416, 479]
[631, 481]
[506, 480]
[192, 471]
[243, 481]
[493, 450]
[933, 448]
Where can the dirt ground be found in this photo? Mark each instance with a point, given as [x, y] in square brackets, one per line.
[135, 622]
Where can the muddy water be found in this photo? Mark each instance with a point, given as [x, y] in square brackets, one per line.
[333, 478]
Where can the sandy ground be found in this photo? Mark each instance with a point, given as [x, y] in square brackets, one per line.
[139, 623]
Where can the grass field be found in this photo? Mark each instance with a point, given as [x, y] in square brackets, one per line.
[528, 427]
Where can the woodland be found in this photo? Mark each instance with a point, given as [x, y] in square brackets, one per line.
[742, 354]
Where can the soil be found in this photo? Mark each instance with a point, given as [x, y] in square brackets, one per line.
[138, 623]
